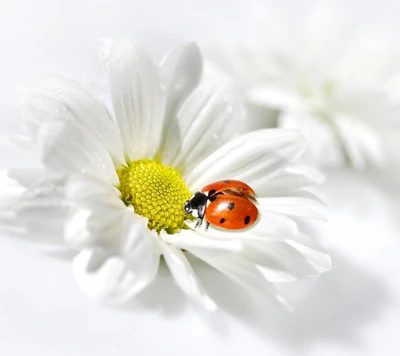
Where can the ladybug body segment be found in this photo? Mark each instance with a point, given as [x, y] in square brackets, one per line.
[227, 204]
[229, 187]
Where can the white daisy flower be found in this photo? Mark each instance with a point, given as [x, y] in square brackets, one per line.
[336, 88]
[114, 187]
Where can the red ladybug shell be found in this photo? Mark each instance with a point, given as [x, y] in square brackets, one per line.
[231, 212]
[229, 184]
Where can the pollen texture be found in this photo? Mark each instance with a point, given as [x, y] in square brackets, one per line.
[156, 192]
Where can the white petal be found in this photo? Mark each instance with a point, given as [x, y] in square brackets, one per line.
[78, 230]
[185, 277]
[361, 142]
[323, 147]
[16, 141]
[116, 278]
[140, 249]
[262, 264]
[299, 193]
[245, 274]
[23, 151]
[10, 225]
[282, 261]
[63, 99]
[102, 276]
[198, 127]
[86, 191]
[43, 208]
[13, 185]
[180, 72]
[298, 206]
[138, 98]
[314, 253]
[275, 97]
[189, 239]
[70, 147]
[256, 154]
[202, 123]
[97, 214]
[292, 178]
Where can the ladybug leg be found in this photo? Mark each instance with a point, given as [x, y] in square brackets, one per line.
[207, 225]
[199, 222]
[201, 212]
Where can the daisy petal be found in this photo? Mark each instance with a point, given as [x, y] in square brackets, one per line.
[262, 153]
[138, 98]
[297, 193]
[323, 146]
[291, 178]
[17, 141]
[9, 224]
[298, 206]
[313, 252]
[275, 97]
[43, 208]
[13, 184]
[185, 277]
[98, 213]
[361, 142]
[188, 239]
[283, 262]
[140, 250]
[63, 99]
[116, 278]
[245, 274]
[102, 276]
[70, 147]
[202, 123]
[180, 72]
[85, 191]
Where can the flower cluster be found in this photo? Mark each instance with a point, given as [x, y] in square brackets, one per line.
[339, 90]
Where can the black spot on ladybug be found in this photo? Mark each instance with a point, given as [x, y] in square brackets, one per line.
[221, 221]
[212, 198]
[231, 205]
[246, 220]
[227, 181]
[211, 192]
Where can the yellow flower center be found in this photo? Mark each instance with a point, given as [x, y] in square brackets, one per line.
[156, 192]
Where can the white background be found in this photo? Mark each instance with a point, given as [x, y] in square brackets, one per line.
[353, 310]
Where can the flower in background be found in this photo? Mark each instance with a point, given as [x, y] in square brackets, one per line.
[339, 90]
[114, 186]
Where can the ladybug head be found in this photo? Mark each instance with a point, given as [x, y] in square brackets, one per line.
[188, 207]
[196, 205]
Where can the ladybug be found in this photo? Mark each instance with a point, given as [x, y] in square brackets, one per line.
[227, 204]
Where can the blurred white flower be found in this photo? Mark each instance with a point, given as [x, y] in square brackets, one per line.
[113, 189]
[338, 88]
